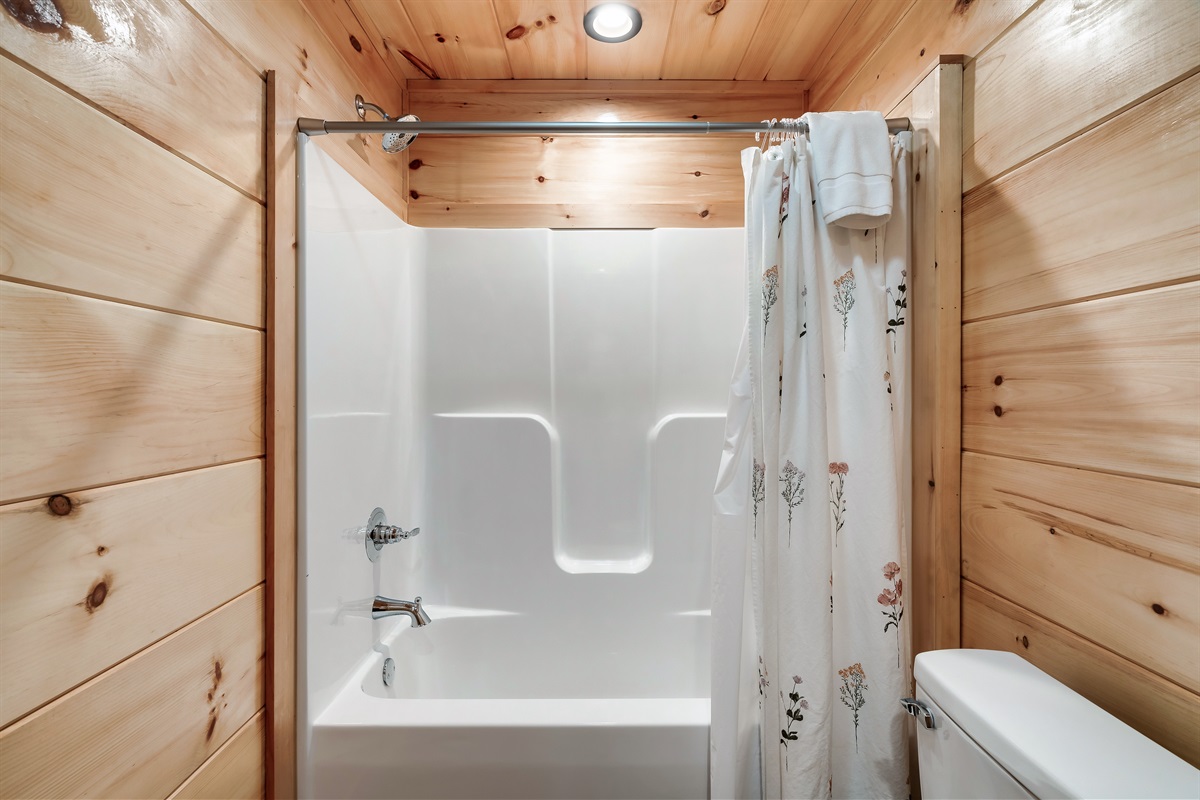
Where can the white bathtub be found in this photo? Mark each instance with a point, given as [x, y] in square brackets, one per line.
[508, 706]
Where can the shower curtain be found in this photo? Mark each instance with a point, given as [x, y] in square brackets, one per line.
[810, 638]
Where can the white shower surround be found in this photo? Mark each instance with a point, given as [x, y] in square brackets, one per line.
[549, 407]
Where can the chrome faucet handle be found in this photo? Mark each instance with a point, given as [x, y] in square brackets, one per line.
[379, 533]
[387, 534]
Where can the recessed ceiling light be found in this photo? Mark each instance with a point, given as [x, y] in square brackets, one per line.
[612, 22]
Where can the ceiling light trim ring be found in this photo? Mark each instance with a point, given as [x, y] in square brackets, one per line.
[635, 19]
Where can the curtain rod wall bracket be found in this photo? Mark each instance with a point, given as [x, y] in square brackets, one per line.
[311, 127]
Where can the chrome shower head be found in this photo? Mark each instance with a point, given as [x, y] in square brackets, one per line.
[392, 142]
[395, 142]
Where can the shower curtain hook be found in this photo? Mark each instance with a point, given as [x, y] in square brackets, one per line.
[758, 135]
[768, 135]
[792, 126]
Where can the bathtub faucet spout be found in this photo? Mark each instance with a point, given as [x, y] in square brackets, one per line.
[387, 607]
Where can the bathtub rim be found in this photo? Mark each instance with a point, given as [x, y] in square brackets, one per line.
[354, 707]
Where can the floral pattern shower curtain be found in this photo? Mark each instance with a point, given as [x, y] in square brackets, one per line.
[810, 633]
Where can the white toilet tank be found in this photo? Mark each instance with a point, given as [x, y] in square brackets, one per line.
[1003, 729]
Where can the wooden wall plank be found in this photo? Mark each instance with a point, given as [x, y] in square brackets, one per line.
[141, 728]
[697, 214]
[1110, 384]
[303, 57]
[630, 101]
[934, 292]
[751, 40]
[235, 771]
[112, 392]
[792, 39]
[661, 90]
[462, 38]
[125, 566]
[157, 68]
[168, 235]
[543, 38]
[565, 170]
[640, 58]
[588, 104]
[1030, 238]
[590, 181]
[1148, 519]
[1102, 593]
[721, 36]
[1162, 710]
[928, 30]
[363, 52]
[1072, 66]
[867, 25]
[902, 109]
[390, 28]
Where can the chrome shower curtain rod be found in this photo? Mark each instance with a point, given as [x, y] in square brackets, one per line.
[320, 127]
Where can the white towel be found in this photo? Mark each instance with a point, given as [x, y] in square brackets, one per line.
[852, 166]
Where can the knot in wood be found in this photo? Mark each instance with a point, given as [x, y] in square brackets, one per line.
[60, 505]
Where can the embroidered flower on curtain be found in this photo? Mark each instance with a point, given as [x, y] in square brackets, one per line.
[797, 705]
[770, 295]
[758, 490]
[899, 305]
[854, 693]
[843, 299]
[837, 495]
[793, 491]
[892, 599]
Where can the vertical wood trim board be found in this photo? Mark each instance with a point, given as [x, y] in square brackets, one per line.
[139, 729]
[936, 113]
[281, 431]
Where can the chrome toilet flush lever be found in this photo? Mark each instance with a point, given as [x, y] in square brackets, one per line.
[915, 708]
[380, 533]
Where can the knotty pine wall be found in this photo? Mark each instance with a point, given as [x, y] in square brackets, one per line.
[1080, 506]
[586, 181]
[145, 514]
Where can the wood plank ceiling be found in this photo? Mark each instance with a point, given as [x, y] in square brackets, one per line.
[750, 40]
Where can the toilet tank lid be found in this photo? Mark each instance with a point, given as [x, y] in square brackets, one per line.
[1050, 738]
